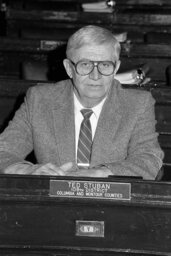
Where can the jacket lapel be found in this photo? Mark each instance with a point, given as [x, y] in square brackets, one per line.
[64, 125]
[107, 127]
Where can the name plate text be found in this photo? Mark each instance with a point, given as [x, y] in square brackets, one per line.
[90, 189]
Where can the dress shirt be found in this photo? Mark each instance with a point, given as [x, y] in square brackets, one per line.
[79, 118]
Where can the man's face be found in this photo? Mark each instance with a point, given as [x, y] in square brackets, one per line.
[92, 88]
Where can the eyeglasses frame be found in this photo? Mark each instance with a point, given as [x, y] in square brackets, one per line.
[95, 64]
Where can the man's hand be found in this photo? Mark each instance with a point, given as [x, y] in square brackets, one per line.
[93, 172]
[51, 169]
[45, 169]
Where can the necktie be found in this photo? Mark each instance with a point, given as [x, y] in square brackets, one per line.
[85, 139]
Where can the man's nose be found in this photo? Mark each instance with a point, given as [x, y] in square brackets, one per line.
[95, 75]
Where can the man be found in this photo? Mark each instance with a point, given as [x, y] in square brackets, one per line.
[118, 137]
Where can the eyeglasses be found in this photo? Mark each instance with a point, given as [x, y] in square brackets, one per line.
[85, 67]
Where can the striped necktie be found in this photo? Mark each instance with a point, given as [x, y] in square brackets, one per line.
[85, 139]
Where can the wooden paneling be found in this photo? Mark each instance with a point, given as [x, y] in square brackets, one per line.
[31, 18]
[139, 3]
[32, 222]
[15, 52]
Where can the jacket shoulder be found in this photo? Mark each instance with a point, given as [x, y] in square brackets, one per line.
[135, 94]
[135, 98]
[48, 90]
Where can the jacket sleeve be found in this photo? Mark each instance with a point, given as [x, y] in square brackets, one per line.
[144, 155]
[16, 140]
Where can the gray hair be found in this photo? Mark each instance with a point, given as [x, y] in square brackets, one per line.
[90, 35]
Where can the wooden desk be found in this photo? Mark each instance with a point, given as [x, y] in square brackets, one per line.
[34, 223]
[43, 18]
[143, 3]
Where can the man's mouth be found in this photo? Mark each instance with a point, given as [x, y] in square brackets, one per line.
[94, 85]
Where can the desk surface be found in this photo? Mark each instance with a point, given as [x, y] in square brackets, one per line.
[38, 188]
[34, 222]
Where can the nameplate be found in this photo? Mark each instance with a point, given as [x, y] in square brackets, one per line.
[90, 189]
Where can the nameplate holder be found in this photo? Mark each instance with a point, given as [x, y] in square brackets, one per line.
[90, 189]
[90, 228]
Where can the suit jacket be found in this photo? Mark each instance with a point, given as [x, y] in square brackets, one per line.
[125, 139]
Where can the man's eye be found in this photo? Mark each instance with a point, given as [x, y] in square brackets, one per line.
[85, 64]
[105, 64]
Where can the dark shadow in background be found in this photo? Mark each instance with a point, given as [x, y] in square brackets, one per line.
[56, 71]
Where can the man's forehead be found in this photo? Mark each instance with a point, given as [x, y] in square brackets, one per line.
[94, 52]
[95, 47]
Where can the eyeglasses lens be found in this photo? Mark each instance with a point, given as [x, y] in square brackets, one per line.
[86, 67]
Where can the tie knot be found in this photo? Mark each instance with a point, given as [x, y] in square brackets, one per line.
[86, 112]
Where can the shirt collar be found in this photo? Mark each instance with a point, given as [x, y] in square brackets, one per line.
[96, 110]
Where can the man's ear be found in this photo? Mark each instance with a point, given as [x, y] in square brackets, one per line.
[67, 66]
[118, 63]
